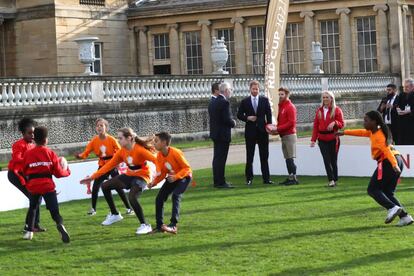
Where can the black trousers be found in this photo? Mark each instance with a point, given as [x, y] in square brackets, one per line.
[382, 190]
[97, 185]
[177, 189]
[262, 140]
[394, 131]
[14, 179]
[131, 183]
[221, 150]
[330, 158]
[51, 204]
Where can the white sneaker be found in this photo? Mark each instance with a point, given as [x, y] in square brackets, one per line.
[111, 219]
[144, 229]
[28, 235]
[129, 212]
[92, 212]
[393, 213]
[332, 184]
[404, 221]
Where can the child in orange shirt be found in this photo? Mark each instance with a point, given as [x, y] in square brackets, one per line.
[104, 146]
[174, 168]
[390, 165]
[135, 153]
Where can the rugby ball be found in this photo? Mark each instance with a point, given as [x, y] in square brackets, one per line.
[270, 128]
[63, 163]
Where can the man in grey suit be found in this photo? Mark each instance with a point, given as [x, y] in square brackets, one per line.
[221, 123]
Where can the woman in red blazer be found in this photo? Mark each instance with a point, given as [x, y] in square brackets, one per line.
[328, 120]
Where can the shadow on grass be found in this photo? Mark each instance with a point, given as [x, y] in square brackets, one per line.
[374, 259]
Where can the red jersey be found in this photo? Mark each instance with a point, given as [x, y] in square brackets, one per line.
[18, 150]
[286, 119]
[39, 164]
[320, 124]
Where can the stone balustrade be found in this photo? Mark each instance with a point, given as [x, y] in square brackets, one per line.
[79, 90]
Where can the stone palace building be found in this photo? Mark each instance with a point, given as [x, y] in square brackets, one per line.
[146, 37]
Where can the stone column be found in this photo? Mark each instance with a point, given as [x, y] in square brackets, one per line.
[174, 49]
[133, 51]
[206, 45]
[239, 45]
[143, 57]
[309, 37]
[3, 69]
[394, 36]
[346, 41]
[382, 30]
[406, 36]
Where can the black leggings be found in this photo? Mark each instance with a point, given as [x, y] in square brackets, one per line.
[14, 179]
[382, 191]
[97, 185]
[51, 204]
[134, 185]
[330, 158]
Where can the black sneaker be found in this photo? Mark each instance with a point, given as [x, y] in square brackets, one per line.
[39, 228]
[291, 182]
[65, 235]
[285, 182]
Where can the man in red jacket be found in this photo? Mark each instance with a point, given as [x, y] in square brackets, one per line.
[39, 165]
[286, 128]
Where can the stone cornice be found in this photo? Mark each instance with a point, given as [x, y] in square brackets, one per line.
[39, 12]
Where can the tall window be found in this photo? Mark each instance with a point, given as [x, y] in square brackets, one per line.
[97, 64]
[228, 35]
[92, 2]
[294, 48]
[367, 44]
[257, 39]
[162, 46]
[193, 53]
[330, 47]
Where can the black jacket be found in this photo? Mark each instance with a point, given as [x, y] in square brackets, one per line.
[264, 115]
[221, 121]
[394, 114]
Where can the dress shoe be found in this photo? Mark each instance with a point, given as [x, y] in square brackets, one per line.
[249, 182]
[268, 182]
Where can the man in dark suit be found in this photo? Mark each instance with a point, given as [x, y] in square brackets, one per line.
[221, 123]
[388, 109]
[256, 112]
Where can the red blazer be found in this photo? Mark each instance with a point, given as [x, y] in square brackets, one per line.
[286, 119]
[320, 125]
[42, 162]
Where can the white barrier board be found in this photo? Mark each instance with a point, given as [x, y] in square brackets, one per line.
[353, 160]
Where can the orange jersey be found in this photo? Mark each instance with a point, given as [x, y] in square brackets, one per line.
[136, 157]
[104, 149]
[174, 161]
[379, 150]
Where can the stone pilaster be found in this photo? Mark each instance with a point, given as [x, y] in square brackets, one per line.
[382, 31]
[346, 41]
[143, 60]
[206, 45]
[239, 45]
[174, 49]
[308, 38]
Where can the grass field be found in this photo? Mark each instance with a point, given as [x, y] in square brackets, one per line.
[262, 230]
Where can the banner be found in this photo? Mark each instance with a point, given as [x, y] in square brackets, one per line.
[276, 21]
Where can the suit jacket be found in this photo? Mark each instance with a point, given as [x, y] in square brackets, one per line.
[221, 121]
[394, 114]
[264, 115]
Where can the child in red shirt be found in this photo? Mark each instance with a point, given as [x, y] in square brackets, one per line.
[39, 165]
[15, 173]
[174, 168]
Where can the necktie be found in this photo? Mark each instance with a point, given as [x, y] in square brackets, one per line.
[255, 104]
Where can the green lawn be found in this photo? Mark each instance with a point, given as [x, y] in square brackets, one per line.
[263, 230]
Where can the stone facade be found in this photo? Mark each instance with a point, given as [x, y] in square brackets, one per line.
[36, 37]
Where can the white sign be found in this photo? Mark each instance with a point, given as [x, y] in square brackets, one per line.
[353, 160]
